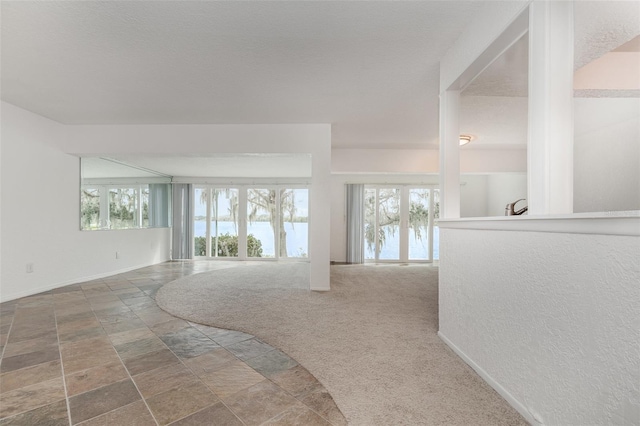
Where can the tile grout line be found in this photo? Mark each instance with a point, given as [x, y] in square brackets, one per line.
[64, 381]
[137, 389]
[53, 306]
[267, 378]
[207, 386]
[236, 357]
[208, 406]
[196, 376]
[104, 414]
[188, 368]
[300, 401]
[191, 325]
[24, 368]
[99, 322]
[13, 320]
[126, 369]
[275, 348]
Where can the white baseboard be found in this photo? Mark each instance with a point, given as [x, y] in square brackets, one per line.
[37, 290]
[519, 406]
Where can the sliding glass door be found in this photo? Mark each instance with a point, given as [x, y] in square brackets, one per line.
[419, 223]
[435, 227]
[294, 223]
[251, 222]
[399, 222]
[262, 221]
[382, 223]
[215, 227]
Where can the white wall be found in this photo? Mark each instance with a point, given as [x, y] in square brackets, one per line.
[550, 320]
[419, 161]
[1, 179]
[606, 154]
[486, 195]
[473, 195]
[41, 215]
[503, 189]
[384, 161]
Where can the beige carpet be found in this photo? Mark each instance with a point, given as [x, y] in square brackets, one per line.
[371, 340]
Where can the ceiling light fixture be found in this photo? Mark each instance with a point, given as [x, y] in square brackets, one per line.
[465, 139]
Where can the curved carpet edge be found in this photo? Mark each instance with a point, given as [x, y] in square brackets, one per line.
[371, 341]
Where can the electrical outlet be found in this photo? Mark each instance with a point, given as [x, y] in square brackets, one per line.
[117, 255]
[29, 268]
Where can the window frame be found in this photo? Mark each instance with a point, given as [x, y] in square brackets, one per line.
[104, 223]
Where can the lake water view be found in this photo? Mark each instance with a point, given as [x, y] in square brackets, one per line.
[297, 235]
[298, 239]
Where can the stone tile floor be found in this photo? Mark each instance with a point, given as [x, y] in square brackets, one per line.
[103, 353]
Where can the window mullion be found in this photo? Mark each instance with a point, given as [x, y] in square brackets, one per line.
[208, 224]
[430, 224]
[404, 224]
[104, 208]
[277, 231]
[377, 227]
[138, 203]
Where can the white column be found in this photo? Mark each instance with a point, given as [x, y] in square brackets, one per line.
[550, 145]
[320, 214]
[450, 154]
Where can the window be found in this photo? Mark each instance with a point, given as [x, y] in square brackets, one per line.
[121, 207]
[382, 223]
[399, 223]
[262, 221]
[419, 223]
[216, 222]
[274, 225]
[294, 222]
[90, 208]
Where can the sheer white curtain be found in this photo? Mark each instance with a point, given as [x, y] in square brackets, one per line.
[355, 223]
[182, 247]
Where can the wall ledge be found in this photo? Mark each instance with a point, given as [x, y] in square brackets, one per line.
[626, 223]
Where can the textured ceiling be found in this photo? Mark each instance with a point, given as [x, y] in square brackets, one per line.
[494, 121]
[601, 26]
[369, 68]
[508, 75]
